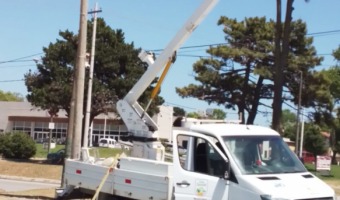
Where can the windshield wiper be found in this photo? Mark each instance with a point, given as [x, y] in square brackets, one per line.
[292, 171]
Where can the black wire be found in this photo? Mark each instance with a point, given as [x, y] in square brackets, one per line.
[19, 59]
[187, 47]
[324, 32]
[4, 81]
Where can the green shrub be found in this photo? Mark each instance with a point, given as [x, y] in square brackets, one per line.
[17, 145]
[3, 140]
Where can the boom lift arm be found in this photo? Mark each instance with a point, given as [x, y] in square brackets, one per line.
[139, 124]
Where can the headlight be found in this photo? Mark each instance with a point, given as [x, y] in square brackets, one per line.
[269, 197]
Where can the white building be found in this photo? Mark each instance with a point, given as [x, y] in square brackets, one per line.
[22, 116]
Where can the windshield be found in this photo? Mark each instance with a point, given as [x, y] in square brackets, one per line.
[262, 155]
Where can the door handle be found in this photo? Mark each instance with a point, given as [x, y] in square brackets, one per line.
[183, 184]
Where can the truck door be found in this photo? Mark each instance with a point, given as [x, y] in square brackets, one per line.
[199, 168]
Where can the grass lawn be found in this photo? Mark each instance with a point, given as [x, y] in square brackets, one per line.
[333, 179]
[38, 168]
[42, 153]
[334, 173]
[103, 152]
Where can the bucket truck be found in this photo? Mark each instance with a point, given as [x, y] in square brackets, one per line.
[210, 161]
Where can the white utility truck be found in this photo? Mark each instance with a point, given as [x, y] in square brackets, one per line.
[210, 161]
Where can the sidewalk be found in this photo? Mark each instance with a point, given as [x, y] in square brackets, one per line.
[40, 180]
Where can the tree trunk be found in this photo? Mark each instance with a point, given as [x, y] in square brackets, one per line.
[281, 60]
[334, 161]
[277, 87]
[255, 104]
[245, 92]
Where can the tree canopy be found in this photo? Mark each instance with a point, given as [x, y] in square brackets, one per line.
[315, 142]
[218, 114]
[336, 54]
[194, 115]
[288, 121]
[116, 69]
[328, 116]
[10, 96]
[179, 112]
[240, 73]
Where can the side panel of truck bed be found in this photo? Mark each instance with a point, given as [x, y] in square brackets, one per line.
[87, 175]
[143, 179]
[132, 177]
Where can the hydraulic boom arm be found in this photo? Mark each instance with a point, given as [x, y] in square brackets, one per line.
[139, 124]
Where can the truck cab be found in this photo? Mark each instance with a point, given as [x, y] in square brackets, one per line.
[212, 161]
[232, 161]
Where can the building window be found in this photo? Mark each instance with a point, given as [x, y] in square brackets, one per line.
[41, 130]
[22, 126]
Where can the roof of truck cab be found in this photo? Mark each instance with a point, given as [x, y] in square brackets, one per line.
[232, 129]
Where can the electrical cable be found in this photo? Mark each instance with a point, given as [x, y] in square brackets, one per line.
[20, 59]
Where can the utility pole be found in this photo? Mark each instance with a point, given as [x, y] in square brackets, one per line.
[80, 81]
[302, 134]
[51, 127]
[298, 117]
[69, 137]
[89, 89]
[72, 147]
[70, 128]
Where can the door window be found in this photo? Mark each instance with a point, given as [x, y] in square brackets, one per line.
[198, 155]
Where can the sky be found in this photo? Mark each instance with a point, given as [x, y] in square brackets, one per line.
[30, 25]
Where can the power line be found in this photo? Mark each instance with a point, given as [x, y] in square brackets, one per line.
[194, 46]
[20, 59]
[181, 55]
[16, 66]
[185, 47]
[195, 56]
[16, 61]
[323, 33]
[181, 106]
[7, 81]
[224, 43]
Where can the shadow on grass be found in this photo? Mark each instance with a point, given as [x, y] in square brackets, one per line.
[325, 174]
[32, 161]
[321, 174]
[76, 194]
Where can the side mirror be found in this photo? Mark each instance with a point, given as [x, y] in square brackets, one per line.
[227, 171]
